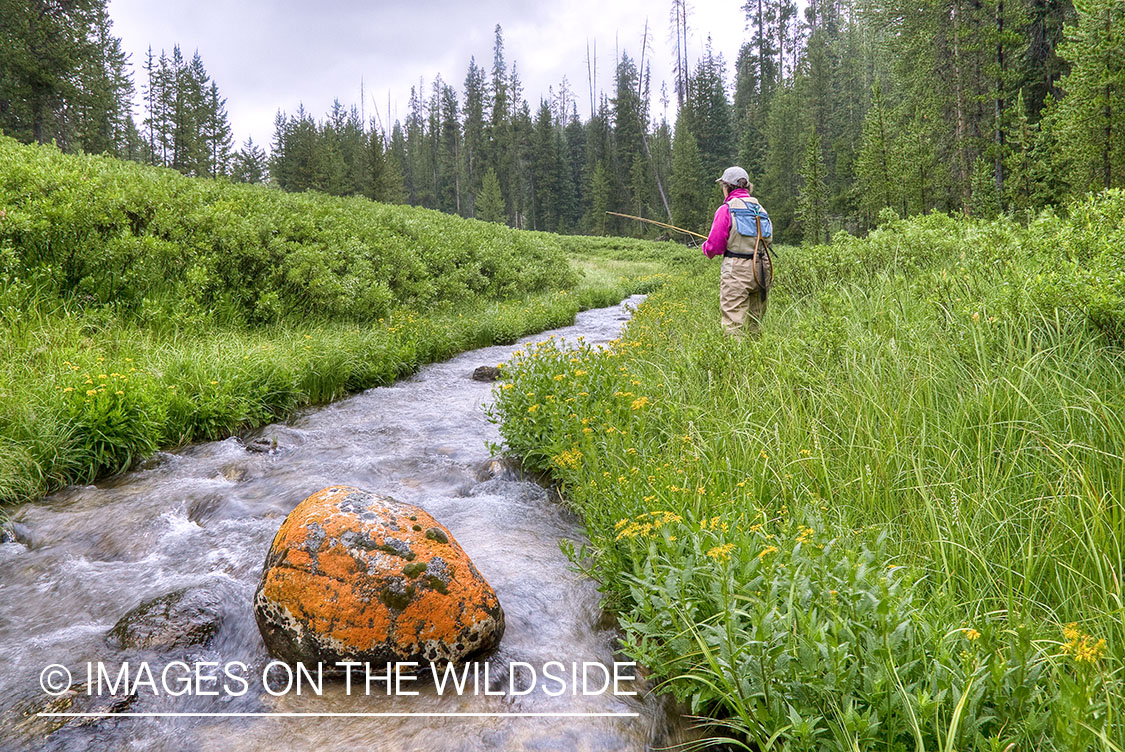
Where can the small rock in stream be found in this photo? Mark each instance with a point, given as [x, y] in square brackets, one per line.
[77, 699]
[486, 373]
[180, 619]
[14, 532]
[499, 468]
[262, 445]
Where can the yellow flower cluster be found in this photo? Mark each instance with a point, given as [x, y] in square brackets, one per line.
[640, 403]
[568, 458]
[767, 551]
[1081, 646]
[970, 634]
[721, 553]
[644, 524]
[805, 534]
[714, 523]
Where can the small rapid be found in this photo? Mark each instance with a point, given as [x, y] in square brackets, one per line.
[200, 520]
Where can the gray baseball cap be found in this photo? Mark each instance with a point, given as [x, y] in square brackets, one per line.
[732, 175]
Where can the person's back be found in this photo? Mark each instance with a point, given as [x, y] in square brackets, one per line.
[742, 234]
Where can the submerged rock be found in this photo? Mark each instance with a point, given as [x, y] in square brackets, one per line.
[499, 468]
[262, 445]
[179, 619]
[30, 726]
[14, 532]
[486, 373]
[353, 576]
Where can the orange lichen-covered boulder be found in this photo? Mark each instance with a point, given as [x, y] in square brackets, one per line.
[353, 576]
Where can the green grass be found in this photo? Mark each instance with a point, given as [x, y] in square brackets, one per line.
[872, 526]
[145, 310]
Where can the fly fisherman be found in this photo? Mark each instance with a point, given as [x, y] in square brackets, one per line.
[742, 234]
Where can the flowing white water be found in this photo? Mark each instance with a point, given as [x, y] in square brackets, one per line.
[203, 519]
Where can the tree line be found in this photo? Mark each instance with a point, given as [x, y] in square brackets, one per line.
[841, 113]
[65, 78]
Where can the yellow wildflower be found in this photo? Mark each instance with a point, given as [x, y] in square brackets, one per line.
[767, 551]
[1082, 647]
[721, 553]
[568, 458]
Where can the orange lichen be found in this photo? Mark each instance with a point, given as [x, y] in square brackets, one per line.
[371, 574]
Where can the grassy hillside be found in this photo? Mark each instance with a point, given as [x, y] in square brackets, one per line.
[893, 521]
[142, 309]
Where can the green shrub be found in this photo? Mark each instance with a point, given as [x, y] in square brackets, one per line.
[99, 231]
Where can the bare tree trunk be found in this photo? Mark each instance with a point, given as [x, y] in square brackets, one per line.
[999, 101]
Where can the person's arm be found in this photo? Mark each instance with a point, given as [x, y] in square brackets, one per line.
[716, 243]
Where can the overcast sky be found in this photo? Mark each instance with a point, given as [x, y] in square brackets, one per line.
[267, 56]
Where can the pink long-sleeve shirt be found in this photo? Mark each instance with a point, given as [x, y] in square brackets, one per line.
[716, 243]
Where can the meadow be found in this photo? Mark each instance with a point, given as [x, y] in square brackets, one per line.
[144, 310]
[894, 519]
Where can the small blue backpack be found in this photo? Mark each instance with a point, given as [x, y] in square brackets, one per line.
[746, 222]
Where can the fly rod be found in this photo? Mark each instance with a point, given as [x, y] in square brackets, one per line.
[661, 224]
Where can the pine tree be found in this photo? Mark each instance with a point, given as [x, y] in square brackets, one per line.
[474, 134]
[498, 130]
[1023, 190]
[384, 168]
[921, 176]
[397, 165]
[449, 168]
[984, 196]
[812, 205]
[689, 184]
[629, 123]
[490, 202]
[217, 135]
[877, 179]
[711, 117]
[43, 44]
[780, 182]
[599, 199]
[1092, 118]
[546, 171]
[250, 164]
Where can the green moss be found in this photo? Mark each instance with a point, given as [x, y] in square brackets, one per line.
[396, 599]
[414, 569]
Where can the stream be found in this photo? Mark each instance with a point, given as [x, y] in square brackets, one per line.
[201, 520]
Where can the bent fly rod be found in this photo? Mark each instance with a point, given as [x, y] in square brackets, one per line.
[660, 224]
